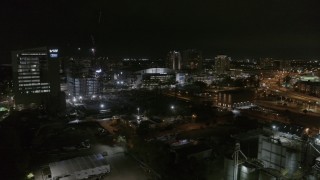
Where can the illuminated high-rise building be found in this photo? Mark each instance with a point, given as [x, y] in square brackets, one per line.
[36, 75]
[192, 59]
[222, 64]
[174, 60]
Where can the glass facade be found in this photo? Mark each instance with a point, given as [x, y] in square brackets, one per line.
[35, 76]
[30, 66]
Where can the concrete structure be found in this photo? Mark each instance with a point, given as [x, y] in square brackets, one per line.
[281, 153]
[174, 60]
[309, 84]
[83, 86]
[248, 171]
[80, 168]
[191, 59]
[228, 168]
[222, 64]
[36, 76]
[208, 65]
[181, 78]
[153, 77]
[82, 77]
[234, 99]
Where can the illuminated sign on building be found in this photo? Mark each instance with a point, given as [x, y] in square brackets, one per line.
[53, 53]
[53, 50]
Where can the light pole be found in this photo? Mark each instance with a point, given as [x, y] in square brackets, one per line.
[309, 105]
[172, 109]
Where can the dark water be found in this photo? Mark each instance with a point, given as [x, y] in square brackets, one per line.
[228, 98]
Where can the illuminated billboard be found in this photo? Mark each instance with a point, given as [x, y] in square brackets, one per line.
[53, 53]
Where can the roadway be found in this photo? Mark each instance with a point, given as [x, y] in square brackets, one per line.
[272, 84]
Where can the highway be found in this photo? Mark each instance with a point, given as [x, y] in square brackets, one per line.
[271, 86]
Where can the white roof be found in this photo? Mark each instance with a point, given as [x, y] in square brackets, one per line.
[79, 167]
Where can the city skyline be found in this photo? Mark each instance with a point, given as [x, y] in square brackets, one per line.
[286, 29]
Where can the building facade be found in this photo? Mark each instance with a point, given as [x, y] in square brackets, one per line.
[82, 78]
[192, 60]
[222, 64]
[36, 75]
[174, 60]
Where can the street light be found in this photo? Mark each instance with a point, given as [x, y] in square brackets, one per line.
[93, 50]
[307, 130]
[101, 105]
[309, 105]
[138, 116]
[317, 141]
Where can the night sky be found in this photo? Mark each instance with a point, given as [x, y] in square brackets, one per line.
[239, 28]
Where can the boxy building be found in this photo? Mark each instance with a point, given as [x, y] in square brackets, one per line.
[36, 77]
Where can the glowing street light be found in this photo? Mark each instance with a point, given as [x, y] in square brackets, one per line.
[101, 105]
[30, 176]
[93, 50]
[138, 116]
[307, 130]
[194, 116]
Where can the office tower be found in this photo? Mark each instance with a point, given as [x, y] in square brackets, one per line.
[174, 60]
[222, 63]
[192, 59]
[36, 76]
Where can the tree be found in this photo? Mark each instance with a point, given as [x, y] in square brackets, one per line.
[201, 85]
[305, 111]
[143, 129]
[287, 80]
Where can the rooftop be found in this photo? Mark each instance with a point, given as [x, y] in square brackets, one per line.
[79, 167]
